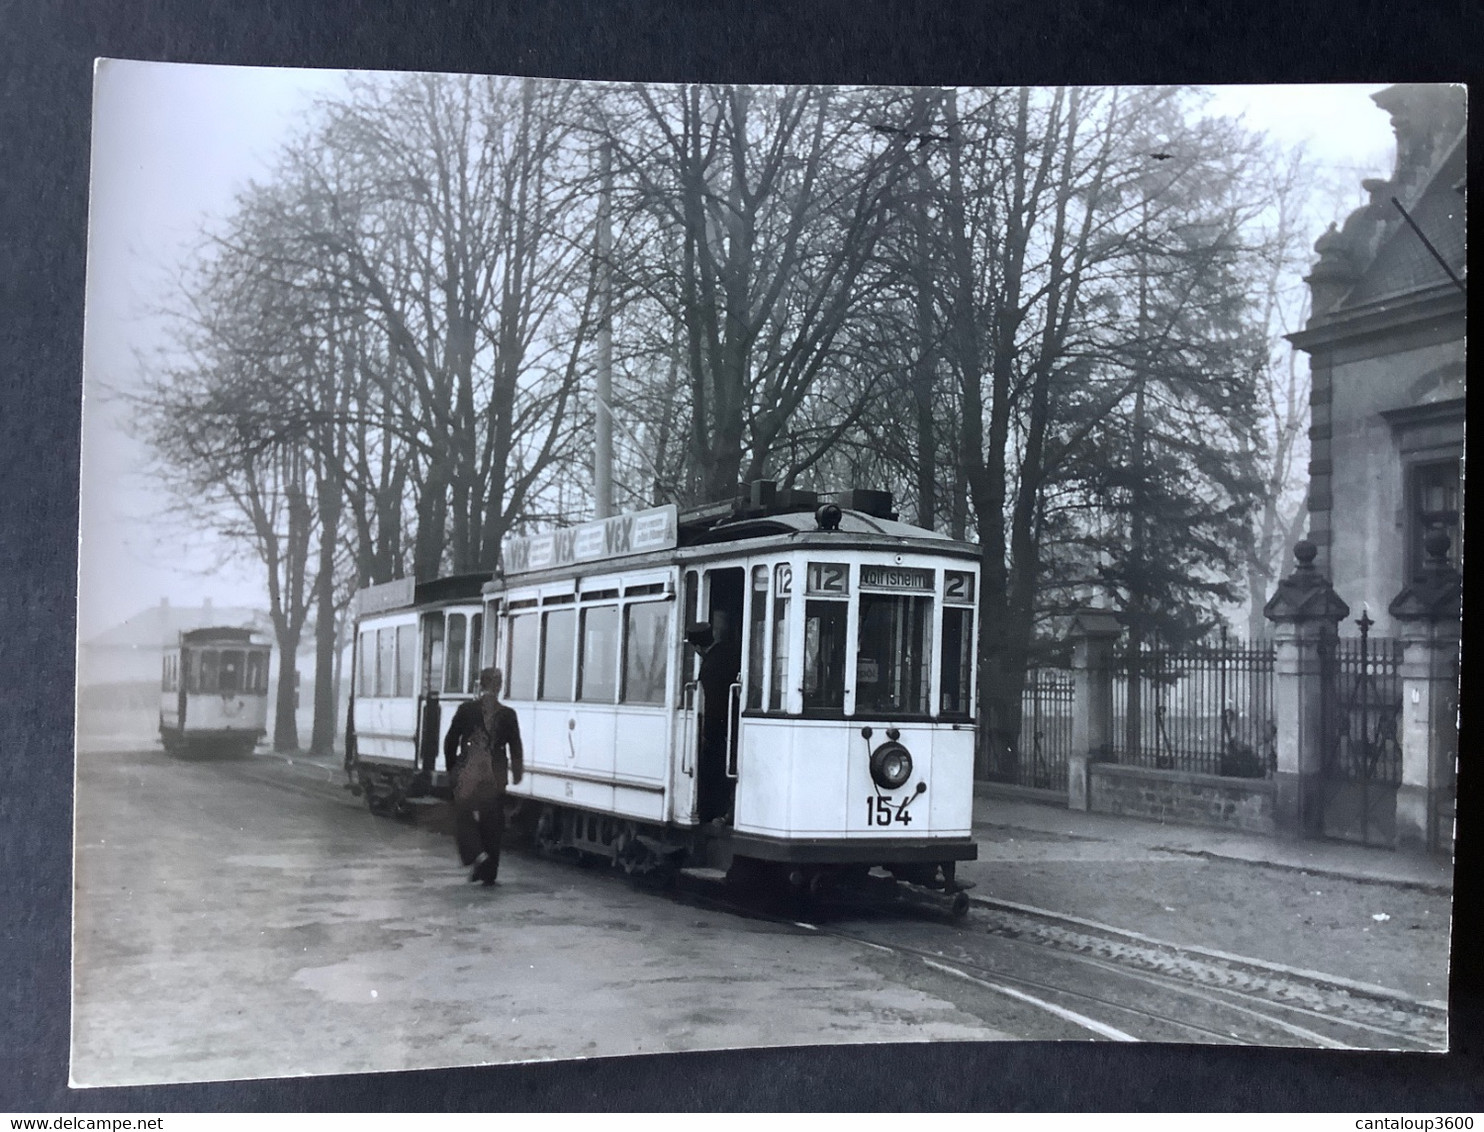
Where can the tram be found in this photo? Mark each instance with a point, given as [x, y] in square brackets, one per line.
[832, 735]
[416, 658]
[214, 692]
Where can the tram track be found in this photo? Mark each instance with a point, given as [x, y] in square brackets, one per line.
[1257, 1002]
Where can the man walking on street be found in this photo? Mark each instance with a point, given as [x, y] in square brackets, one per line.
[475, 750]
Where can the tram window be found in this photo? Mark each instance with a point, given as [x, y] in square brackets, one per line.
[778, 697]
[406, 660]
[824, 655]
[432, 650]
[893, 666]
[257, 672]
[165, 673]
[597, 673]
[646, 650]
[386, 662]
[958, 638]
[366, 666]
[210, 661]
[692, 604]
[521, 675]
[229, 672]
[453, 657]
[757, 626]
[476, 652]
[556, 654]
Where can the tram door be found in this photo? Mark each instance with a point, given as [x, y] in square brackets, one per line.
[719, 674]
[429, 712]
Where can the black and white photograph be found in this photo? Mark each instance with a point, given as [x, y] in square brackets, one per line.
[575, 569]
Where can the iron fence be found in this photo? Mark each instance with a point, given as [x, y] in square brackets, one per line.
[1205, 708]
[1362, 709]
[1046, 706]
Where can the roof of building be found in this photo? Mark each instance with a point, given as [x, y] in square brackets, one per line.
[1377, 256]
[1402, 263]
[161, 625]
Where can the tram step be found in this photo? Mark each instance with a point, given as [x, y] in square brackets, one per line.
[422, 801]
[700, 872]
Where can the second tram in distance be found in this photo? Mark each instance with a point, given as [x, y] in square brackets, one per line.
[842, 740]
[214, 692]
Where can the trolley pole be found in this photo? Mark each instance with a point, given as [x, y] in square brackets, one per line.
[603, 447]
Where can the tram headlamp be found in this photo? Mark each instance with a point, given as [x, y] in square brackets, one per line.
[891, 765]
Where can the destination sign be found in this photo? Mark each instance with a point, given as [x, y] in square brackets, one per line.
[895, 578]
[618, 536]
[387, 595]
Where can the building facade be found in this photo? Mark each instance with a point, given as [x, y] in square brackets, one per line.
[1387, 348]
[1387, 351]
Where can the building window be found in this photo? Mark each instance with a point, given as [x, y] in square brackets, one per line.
[1432, 504]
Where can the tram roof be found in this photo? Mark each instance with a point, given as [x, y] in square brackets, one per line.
[803, 522]
[455, 587]
[217, 634]
[742, 534]
[404, 593]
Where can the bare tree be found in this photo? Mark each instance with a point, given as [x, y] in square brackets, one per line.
[750, 222]
[1048, 201]
[454, 211]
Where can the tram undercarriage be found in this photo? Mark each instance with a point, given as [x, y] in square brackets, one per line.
[656, 854]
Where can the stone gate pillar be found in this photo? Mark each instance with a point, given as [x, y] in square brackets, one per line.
[1428, 614]
[1093, 634]
[1305, 612]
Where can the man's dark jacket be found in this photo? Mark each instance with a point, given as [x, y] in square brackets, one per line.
[469, 720]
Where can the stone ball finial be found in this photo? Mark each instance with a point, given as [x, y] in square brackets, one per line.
[1305, 551]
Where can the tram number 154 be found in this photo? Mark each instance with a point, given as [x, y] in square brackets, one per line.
[879, 811]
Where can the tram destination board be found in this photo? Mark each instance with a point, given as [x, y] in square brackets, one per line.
[388, 595]
[896, 578]
[637, 532]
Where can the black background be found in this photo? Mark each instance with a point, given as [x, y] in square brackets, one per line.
[46, 54]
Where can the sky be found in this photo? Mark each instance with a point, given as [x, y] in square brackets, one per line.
[173, 146]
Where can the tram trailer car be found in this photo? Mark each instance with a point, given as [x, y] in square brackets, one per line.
[846, 732]
[416, 657]
[214, 692]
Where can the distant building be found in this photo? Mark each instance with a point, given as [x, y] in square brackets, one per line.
[1386, 347]
[118, 671]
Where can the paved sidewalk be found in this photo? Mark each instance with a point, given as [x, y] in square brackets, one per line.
[1107, 837]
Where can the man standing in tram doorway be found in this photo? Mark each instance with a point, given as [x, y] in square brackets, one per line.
[721, 663]
[475, 750]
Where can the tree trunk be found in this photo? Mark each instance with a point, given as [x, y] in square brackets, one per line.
[285, 723]
[322, 733]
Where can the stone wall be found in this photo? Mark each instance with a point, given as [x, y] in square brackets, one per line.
[1182, 797]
